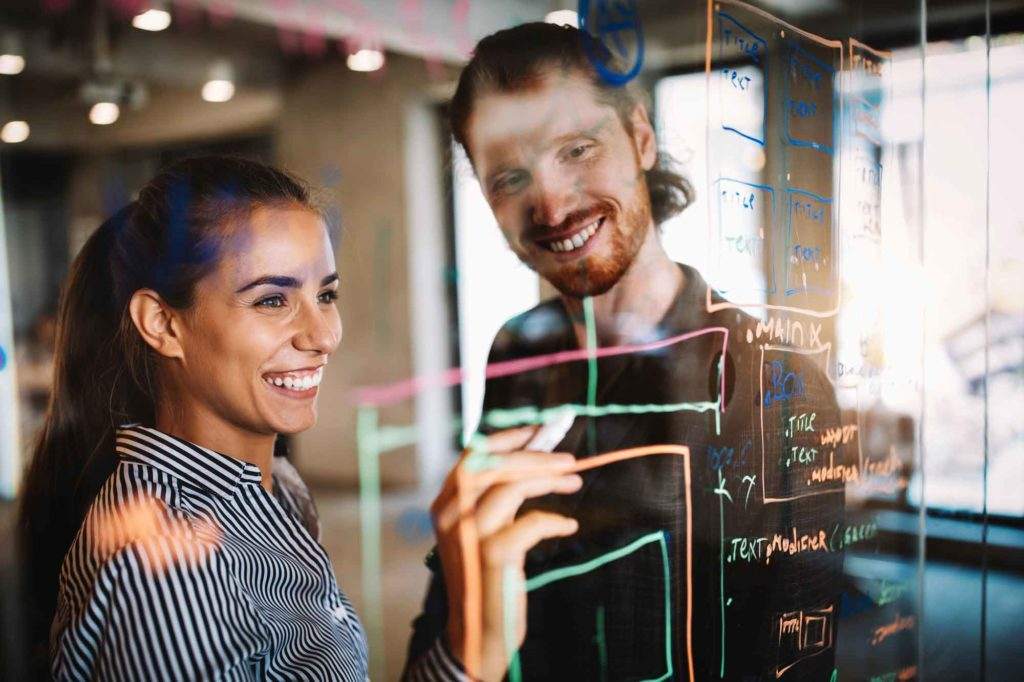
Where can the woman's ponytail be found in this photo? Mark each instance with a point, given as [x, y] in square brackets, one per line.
[74, 453]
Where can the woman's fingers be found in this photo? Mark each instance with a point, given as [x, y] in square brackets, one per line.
[498, 506]
[508, 546]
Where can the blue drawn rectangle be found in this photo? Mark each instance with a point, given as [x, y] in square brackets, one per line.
[809, 243]
[736, 93]
[807, 99]
[744, 253]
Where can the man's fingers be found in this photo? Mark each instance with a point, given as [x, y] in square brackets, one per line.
[499, 504]
[510, 467]
[508, 546]
[511, 439]
[523, 460]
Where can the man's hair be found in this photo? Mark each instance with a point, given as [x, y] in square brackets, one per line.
[516, 59]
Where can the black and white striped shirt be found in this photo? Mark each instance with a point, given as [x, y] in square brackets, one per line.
[223, 581]
[226, 583]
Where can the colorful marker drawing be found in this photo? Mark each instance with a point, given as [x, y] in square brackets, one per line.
[479, 478]
[614, 24]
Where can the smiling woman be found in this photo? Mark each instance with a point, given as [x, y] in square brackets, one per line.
[163, 537]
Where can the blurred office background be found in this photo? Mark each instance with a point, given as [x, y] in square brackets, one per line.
[95, 95]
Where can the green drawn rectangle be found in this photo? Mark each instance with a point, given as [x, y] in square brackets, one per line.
[554, 575]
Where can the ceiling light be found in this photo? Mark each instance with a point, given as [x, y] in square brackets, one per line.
[11, 64]
[365, 60]
[104, 113]
[14, 132]
[561, 17]
[220, 82]
[152, 20]
[218, 90]
[12, 56]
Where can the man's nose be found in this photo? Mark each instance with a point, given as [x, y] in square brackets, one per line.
[553, 197]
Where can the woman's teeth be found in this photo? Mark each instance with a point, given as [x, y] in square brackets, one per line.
[577, 240]
[297, 382]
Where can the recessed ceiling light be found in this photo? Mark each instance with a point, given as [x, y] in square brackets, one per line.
[14, 132]
[220, 82]
[104, 113]
[152, 20]
[218, 90]
[11, 64]
[365, 60]
[563, 16]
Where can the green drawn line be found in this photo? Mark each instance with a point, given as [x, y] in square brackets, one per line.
[721, 526]
[668, 612]
[557, 574]
[518, 416]
[721, 565]
[509, 588]
[369, 518]
[602, 645]
[395, 437]
[588, 318]
[554, 575]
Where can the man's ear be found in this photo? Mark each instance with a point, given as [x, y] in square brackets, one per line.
[644, 140]
[157, 323]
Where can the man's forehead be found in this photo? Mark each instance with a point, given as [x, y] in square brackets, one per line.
[559, 104]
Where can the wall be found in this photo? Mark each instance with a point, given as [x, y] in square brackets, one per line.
[345, 132]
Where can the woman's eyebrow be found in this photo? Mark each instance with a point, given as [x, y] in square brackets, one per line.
[276, 280]
[284, 281]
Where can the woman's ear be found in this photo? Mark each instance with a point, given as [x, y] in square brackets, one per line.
[643, 137]
[156, 322]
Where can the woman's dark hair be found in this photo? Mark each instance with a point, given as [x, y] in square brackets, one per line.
[516, 59]
[104, 373]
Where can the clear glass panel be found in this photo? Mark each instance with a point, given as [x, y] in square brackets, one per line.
[835, 489]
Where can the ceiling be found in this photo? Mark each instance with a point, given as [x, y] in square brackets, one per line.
[67, 42]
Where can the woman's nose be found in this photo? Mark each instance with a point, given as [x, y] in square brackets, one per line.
[320, 330]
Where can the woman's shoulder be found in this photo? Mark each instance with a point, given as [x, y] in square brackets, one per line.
[136, 523]
[138, 573]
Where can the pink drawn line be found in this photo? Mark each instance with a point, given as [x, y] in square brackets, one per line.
[389, 394]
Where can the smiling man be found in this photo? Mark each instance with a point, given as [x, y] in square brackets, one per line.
[672, 573]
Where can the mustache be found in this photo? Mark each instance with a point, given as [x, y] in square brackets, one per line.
[538, 232]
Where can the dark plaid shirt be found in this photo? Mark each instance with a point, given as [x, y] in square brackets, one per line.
[655, 565]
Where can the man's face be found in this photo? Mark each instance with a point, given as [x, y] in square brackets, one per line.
[565, 179]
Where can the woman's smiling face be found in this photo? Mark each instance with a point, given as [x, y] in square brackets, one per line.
[264, 322]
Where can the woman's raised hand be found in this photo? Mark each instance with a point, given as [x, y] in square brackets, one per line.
[483, 545]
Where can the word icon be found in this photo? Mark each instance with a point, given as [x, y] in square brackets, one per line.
[785, 385]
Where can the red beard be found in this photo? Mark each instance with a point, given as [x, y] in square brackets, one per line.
[594, 274]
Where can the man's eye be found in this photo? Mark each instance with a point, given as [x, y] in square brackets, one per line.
[328, 297]
[508, 183]
[579, 150]
[275, 301]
